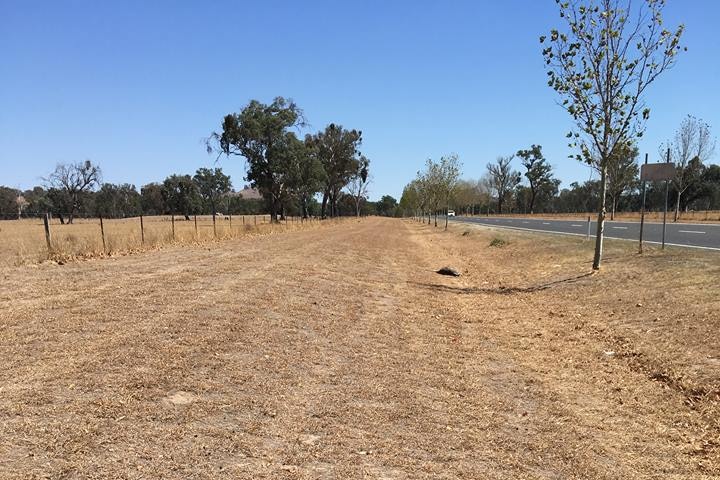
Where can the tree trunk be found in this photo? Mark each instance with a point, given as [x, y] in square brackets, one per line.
[532, 201]
[601, 220]
[612, 211]
[677, 207]
[324, 204]
[435, 218]
[446, 216]
[303, 206]
[332, 203]
[273, 210]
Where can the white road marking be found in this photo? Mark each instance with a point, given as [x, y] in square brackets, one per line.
[526, 222]
[545, 223]
[620, 228]
[610, 238]
[576, 225]
[690, 231]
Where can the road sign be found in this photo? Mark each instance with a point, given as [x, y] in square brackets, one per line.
[651, 172]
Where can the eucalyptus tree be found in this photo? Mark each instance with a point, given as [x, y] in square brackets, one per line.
[387, 206]
[601, 65]
[9, 202]
[410, 202]
[359, 182]
[260, 133]
[502, 178]
[74, 180]
[692, 147]
[537, 170]
[337, 149]
[117, 201]
[212, 184]
[180, 195]
[152, 200]
[308, 174]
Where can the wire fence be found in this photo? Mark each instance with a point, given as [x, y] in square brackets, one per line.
[43, 237]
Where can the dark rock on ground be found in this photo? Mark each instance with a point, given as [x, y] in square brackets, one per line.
[449, 271]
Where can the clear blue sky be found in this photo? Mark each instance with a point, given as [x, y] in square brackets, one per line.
[135, 85]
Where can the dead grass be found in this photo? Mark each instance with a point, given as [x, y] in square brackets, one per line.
[23, 241]
[339, 353]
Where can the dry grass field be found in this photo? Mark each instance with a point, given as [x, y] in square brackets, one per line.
[23, 241]
[337, 352]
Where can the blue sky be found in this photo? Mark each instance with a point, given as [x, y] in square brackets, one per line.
[135, 86]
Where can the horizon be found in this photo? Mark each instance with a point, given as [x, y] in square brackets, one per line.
[136, 89]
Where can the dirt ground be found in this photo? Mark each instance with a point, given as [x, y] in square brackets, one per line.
[339, 353]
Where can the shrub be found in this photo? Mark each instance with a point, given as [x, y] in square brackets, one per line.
[498, 242]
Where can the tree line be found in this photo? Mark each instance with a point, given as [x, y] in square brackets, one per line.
[77, 190]
[533, 188]
[433, 188]
[288, 173]
[284, 167]
[208, 191]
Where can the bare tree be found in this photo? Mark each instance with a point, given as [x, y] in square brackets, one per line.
[502, 178]
[601, 66]
[74, 179]
[693, 145]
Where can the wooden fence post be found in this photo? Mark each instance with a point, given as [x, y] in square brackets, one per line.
[46, 222]
[102, 234]
[214, 228]
[196, 230]
[142, 231]
[172, 220]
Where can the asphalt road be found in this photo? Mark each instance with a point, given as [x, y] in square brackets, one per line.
[705, 236]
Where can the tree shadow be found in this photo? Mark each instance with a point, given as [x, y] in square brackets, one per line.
[500, 290]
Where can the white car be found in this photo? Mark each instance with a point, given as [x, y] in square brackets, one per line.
[451, 213]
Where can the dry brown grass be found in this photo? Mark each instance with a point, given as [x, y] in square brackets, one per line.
[23, 241]
[339, 353]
